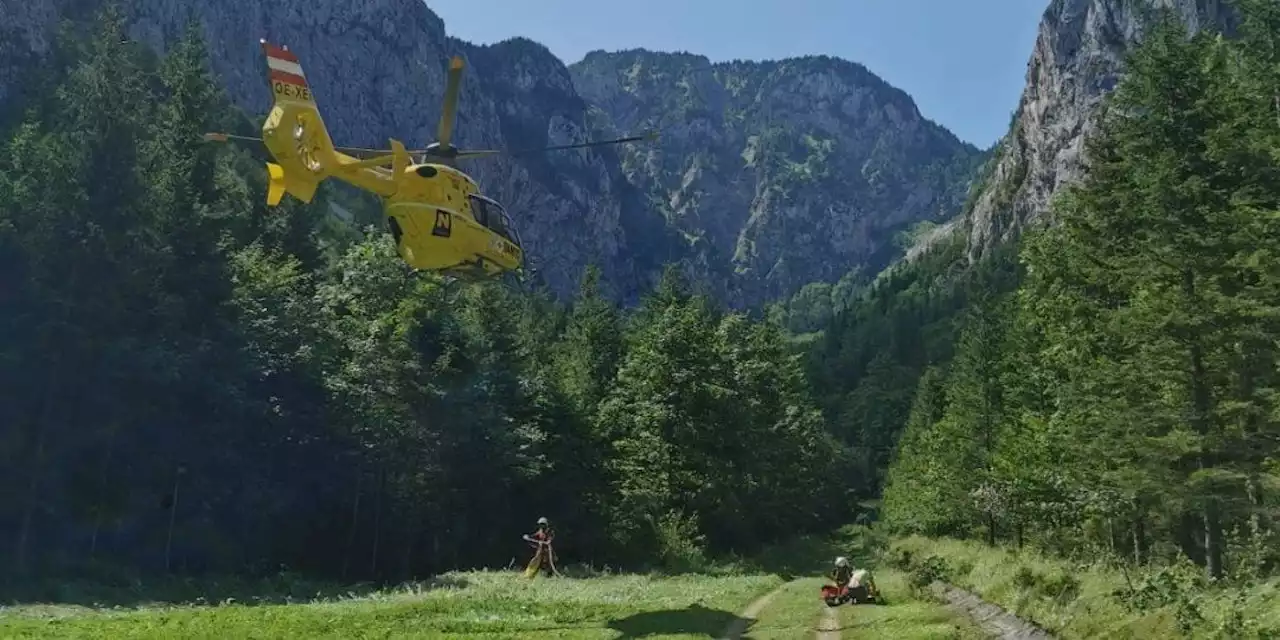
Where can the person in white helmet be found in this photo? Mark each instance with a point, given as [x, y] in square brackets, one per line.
[842, 572]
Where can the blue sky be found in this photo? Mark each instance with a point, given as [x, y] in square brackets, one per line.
[964, 61]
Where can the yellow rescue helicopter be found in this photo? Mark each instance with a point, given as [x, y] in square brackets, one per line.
[439, 219]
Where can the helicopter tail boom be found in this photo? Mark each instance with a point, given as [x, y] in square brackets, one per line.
[298, 140]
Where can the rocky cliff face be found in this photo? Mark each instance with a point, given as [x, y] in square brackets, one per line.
[780, 173]
[767, 176]
[1077, 60]
[26, 34]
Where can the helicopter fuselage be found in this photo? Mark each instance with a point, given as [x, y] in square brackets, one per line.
[441, 222]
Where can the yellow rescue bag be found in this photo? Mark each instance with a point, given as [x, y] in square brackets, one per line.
[535, 564]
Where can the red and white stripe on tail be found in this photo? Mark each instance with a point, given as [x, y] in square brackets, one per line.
[285, 73]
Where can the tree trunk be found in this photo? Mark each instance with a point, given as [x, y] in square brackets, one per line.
[1139, 540]
[377, 524]
[28, 513]
[351, 533]
[991, 529]
[37, 468]
[1201, 421]
[1213, 540]
[173, 512]
[410, 532]
[102, 484]
[1111, 537]
[435, 550]
[1257, 525]
[1189, 539]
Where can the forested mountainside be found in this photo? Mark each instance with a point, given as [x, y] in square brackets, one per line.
[1103, 386]
[786, 195]
[785, 172]
[196, 384]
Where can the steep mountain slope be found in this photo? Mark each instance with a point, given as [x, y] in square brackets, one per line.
[782, 172]
[1077, 60]
[768, 175]
[537, 106]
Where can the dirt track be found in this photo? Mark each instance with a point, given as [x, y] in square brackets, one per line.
[749, 615]
[829, 628]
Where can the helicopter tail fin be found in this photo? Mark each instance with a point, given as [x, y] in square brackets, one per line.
[275, 184]
[293, 132]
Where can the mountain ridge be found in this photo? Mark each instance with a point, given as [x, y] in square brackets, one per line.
[818, 129]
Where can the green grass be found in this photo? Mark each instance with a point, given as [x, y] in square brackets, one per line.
[1080, 601]
[481, 605]
[500, 604]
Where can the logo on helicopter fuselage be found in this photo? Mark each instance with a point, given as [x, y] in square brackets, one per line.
[505, 248]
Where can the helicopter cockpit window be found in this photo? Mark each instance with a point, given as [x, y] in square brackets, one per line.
[480, 209]
[498, 220]
[493, 216]
[509, 230]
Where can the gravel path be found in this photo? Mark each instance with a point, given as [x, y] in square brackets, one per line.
[994, 620]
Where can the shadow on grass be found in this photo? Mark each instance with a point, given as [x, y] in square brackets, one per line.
[695, 620]
[283, 589]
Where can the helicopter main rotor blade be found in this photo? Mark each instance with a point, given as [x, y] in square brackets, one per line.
[445, 131]
[581, 145]
[479, 153]
[584, 145]
[469, 153]
[228, 137]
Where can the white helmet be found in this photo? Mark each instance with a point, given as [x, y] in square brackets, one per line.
[842, 561]
[543, 521]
